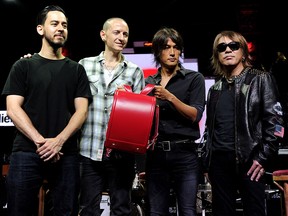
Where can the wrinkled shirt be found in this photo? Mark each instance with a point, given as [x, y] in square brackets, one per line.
[94, 129]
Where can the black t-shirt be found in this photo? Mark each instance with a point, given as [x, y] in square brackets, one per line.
[224, 134]
[49, 88]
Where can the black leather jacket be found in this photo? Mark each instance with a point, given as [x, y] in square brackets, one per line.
[258, 115]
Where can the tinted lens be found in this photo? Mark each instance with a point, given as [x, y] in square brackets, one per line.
[232, 45]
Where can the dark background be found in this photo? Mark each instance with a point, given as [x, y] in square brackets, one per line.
[263, 23]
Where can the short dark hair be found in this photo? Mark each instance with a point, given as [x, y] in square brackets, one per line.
[42, 15]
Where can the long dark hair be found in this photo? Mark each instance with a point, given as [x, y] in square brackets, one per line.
[234, 36]
[160, 39]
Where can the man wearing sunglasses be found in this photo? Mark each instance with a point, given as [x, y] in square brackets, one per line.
[243, 128]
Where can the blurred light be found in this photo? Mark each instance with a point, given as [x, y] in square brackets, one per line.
[65, 51]
[128, 50]
[139, 43]
[251, 47]
[11, 1]
[147, 44]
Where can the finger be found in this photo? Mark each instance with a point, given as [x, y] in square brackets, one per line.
[260, 174]
[55, 158]
[45, 156]
[258, 177]
[252, 168]
[254, 174]
[49, 157]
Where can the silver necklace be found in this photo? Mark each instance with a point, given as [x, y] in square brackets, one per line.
[231, 79]
[110, 69]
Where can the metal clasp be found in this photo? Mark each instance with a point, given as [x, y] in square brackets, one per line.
[166, 145]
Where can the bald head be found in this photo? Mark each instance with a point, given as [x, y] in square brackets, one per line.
[108, 23]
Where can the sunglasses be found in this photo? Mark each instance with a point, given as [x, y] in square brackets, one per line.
[232, 45]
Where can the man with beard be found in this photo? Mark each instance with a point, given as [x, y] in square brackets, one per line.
[47, 98]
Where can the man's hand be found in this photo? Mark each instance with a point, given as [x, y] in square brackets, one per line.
[256, 171]
[50, 150]
[161, 93]
[27, 56]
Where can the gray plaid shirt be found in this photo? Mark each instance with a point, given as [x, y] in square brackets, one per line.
[94, 129]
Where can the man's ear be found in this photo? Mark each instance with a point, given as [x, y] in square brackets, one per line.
[39, 29]
[103, 35]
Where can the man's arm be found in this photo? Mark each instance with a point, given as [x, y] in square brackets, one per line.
[21, 120]
[53, 145]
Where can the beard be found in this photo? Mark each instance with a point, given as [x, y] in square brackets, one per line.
[56, 43]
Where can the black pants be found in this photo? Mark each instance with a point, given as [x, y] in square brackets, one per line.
[228, 181]
[96, 176]
[179, 167]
